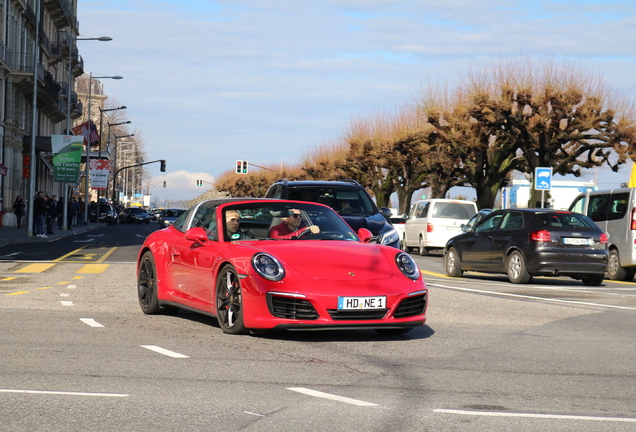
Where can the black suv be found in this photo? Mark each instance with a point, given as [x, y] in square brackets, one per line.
[348, 197]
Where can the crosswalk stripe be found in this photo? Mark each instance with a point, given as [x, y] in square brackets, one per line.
[93, 268]
[35, 268]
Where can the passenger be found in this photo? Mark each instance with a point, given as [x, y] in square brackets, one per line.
[290, 227]
[232, 221]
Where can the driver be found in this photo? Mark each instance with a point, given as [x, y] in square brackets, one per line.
[289, 227]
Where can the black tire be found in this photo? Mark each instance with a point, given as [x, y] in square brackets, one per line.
[229, 301]
[422, 250]
[594, 280]
[403, 245]
[453, 263]
[614, 269]
[147, 285]
[516, 269]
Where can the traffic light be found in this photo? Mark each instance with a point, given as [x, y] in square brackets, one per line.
[244, 167]
[239, 166]
[164, 184]
[163, 165]
[199, 183]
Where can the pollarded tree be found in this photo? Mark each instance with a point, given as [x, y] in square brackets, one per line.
[553, 116]
[325, 162]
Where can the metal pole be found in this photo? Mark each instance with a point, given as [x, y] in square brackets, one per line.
[88, 148]
[34, 126]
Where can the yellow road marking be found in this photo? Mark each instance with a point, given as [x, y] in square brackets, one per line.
[44, 288]
[35, 268]
[77, 277]
[68, 254]
[18, 293]
[106, 255]
[62, 283]
[93, 268]
[9, 278]
[430, 273]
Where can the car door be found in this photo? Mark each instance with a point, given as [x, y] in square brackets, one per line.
[477, 247]
[509, 231]
[191, 264]
[416, 223]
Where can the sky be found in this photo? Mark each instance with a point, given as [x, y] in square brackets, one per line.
[208, 82]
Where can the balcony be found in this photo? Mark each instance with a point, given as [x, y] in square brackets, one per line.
[61, 13]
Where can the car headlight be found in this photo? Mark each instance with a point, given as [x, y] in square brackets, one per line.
[389, 237]
[268, 267]
[408, 266]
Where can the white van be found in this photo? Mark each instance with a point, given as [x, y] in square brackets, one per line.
[432, 222]
[614, 211]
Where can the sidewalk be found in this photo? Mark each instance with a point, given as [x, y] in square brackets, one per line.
[13, 235]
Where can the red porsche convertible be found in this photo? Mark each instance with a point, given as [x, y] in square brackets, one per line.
[277, 264]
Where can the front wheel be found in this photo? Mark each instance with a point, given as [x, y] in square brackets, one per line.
[403, 245]
[453, 263]
[229, 301]
[516, 269]
[423, 250]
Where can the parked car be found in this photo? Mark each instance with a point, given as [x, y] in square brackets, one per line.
[348, 197]
[168, 216]
[523, 243]
[614, 211]
[398, 223]
[432, 222]
[134, 214]
[327, 280]
[104, 212]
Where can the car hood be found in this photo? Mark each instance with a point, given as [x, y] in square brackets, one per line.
[373, 223]
[332, 260]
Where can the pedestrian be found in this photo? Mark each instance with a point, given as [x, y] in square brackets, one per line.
[51, 214]
[18, 209]
[60, 213]
[80, 211]
[71, 212]
[39, 213]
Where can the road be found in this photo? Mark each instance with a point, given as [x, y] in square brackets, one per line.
[79, 355]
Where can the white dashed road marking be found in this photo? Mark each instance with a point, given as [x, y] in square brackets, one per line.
[67, 303]
[530, 415]
[91, 322]
[320, 394]
[164, 351]
[64, 393]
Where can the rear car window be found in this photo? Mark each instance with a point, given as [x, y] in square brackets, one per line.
[453, 210]
[565, 220]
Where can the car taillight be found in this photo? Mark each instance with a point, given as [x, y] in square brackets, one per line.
[429, 227]
[541, 236]
[604, 238]
[633, 224]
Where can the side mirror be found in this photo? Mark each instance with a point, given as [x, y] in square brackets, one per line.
[386, 212]
[197, 235]
[465, 228]
[365, 235]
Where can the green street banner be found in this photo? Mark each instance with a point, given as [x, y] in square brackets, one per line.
[67, 155]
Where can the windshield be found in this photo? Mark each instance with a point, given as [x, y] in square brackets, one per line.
[257, 221]
[345, 200]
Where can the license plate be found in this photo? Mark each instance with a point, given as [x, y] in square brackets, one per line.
[578, 241]
[348, 303]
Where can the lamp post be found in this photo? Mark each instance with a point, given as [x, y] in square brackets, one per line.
[88, 140]
[99, 154]
[116, 161]
[68, 106]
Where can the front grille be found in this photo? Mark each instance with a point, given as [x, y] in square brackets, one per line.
[371, 314]
[411, 306]
[290, 308]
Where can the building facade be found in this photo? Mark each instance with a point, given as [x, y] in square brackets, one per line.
[54, 64]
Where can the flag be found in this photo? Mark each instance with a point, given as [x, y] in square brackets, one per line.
[83, 130]
[632, 177]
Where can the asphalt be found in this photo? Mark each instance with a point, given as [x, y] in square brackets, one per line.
[13, 235]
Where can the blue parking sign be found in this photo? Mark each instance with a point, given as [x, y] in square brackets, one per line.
[542, 178]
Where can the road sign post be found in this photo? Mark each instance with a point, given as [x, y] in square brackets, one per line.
[543, 181]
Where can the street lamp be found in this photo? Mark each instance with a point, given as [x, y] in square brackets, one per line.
[101, 117]
[68, 104]
[88, 140]
[116, 161]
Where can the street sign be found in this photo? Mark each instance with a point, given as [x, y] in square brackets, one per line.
[543, 178]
